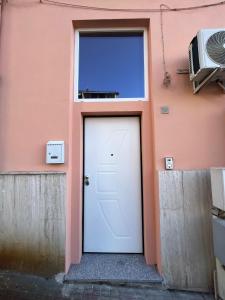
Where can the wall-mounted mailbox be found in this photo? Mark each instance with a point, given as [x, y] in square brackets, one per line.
[55, 152]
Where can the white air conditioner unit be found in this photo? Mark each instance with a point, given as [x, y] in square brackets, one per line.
[207, 58]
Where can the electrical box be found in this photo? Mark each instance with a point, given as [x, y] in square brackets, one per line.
[168, 163]
[55, 152]
[164, 109]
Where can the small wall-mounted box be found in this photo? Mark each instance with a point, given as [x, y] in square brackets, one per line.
[55, 152]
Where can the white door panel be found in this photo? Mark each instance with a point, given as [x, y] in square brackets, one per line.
[112, 200]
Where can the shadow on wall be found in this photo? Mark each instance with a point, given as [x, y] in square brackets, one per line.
[31, 261]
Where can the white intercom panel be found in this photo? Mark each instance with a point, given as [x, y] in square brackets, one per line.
[55, 152]
[169, 163]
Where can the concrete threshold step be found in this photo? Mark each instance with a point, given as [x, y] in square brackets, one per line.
[114, 269]
[118, 283]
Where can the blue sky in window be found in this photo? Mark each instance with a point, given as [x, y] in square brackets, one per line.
[113, 62]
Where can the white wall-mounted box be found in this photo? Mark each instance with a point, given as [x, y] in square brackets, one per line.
[218, 187]
[55, 152]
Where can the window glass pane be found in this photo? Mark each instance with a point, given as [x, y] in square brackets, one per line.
[111, 65]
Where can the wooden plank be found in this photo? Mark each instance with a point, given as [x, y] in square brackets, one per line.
[32, 222]
[185, 228]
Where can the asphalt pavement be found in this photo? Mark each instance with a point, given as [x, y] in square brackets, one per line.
[20, 286]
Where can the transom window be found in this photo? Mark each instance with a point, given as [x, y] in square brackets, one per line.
[111, 65]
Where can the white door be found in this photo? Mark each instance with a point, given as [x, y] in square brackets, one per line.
[112, 185]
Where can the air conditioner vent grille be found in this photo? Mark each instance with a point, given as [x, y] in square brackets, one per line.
[215, 47]
[190, 61]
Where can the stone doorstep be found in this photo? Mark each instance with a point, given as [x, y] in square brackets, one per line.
[117, 283]
[113, 269]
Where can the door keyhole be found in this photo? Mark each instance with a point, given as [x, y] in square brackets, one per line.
[86, 180]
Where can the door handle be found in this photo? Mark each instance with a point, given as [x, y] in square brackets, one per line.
[86, 180]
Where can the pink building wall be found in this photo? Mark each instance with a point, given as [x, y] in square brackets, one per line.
[36, 77]
[36, 84]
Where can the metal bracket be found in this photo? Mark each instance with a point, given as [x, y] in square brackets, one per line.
[182, 71]
[198, 86]
[218, 212]
[222, 85]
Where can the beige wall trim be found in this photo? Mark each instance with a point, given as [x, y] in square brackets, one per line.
[185, 229]
[32, 222]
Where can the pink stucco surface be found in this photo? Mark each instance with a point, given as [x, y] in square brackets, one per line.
[36, 94]
[36, 64]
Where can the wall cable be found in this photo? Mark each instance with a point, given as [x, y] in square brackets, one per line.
[162, 9]
[167, 76]
[144, 10]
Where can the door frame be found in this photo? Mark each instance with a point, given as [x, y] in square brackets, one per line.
[83, 172]
[78, 111]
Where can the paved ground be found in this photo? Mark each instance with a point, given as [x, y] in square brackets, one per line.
[17, 286]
